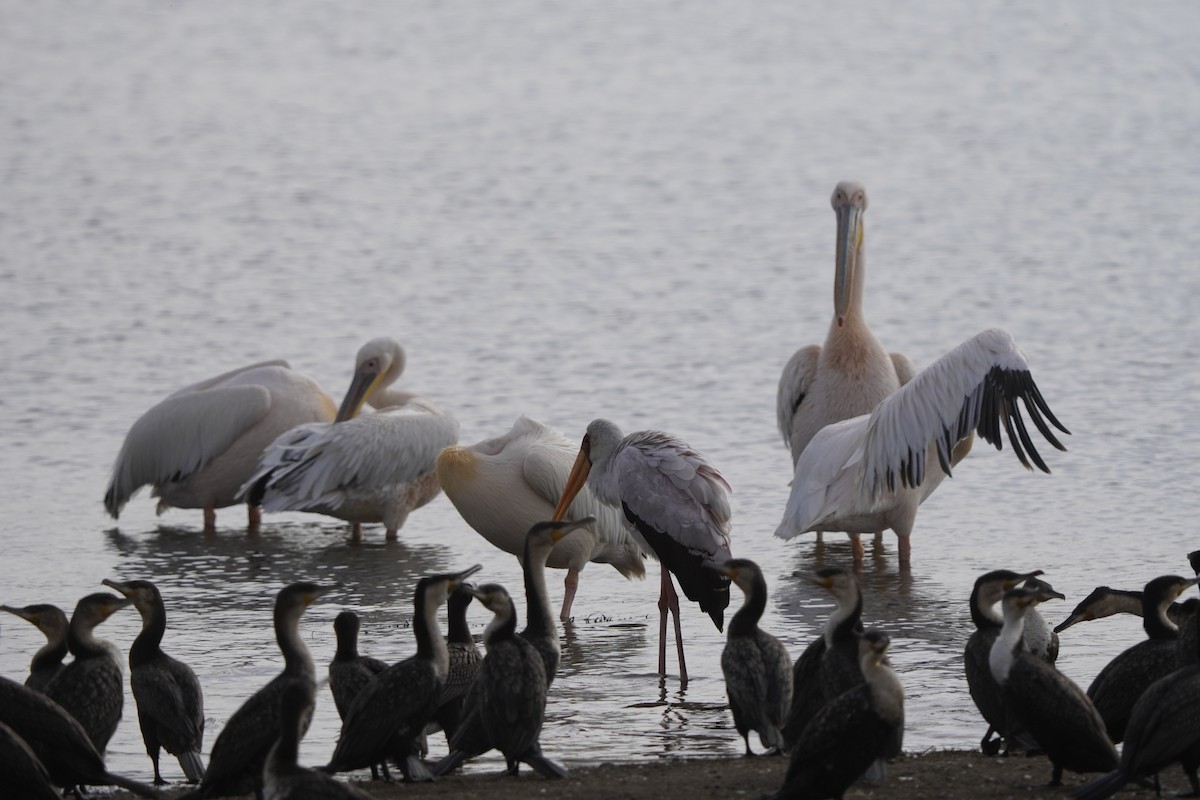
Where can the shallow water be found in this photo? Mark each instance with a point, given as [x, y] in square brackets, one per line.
[572, 211]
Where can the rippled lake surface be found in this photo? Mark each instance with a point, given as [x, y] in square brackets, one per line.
[581, 210]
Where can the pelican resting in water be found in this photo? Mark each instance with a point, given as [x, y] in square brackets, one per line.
[678, 503]
[198, 446]
[361, 468]
[504, 486]
[869, 473]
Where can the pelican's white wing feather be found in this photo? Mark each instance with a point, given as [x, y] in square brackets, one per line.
[209, 383]
[675, 490]
[824, 482]
[309, 465]
[794, 385]
[181, 434]
[973, 387]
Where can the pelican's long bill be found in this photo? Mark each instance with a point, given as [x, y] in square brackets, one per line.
[575, 482]
[360, 387]
[849, 237]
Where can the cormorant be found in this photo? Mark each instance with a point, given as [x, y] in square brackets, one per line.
[91, 688]
[22, 772]
[283, 777]
[1117, 687]
[1055, 712]
[391, 712]
[810, 690]
[236, 763]
[1162, 730]
[349, 672]
[464, 663]
[851, 732]
[988, 591]
[170, 702]
[541, 631]
[1040, 637]
[512, 688]
[48, 660]
[58, 740]
[756, 666]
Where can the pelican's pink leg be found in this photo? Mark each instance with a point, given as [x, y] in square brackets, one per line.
[905, 547]
[856, 546]
[391, 534]
[356, 532]
[210, 519]
[570, 584]
[253, 517]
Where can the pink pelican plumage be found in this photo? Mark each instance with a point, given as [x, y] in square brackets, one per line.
[678, 505]
[870, 473]
[361, 468]
[503, 486]
[200, 444]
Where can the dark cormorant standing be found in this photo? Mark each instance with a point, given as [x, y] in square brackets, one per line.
[91, 688]
[757, 669]
[1117, 687]
[541, 631]
[512, 688]
[170, 702]
[236, 763]
[988, 591]
[1162, 729]
[810, 690]
[389, 715]
[58, 740]
[1047, 704]
[48, 660]
[850, 732]
[283, 777]
[22, 772]
[349, 672]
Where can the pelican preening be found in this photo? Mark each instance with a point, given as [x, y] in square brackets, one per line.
[198, 446]
[505, 485]
[868, 473]
[679, 505]
[359, 468]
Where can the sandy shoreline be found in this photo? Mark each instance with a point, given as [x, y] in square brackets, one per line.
[944, 773]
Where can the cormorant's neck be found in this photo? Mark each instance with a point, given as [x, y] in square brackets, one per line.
[430, 644]
[1155, 621]
[745, 621]
[503, 625]
[147, 646]
[541, 620]
[459, 632]
[845, 619]
[1005, 648]
[82, 642]
[347, 647]
[984, 616]
[50, 654]
[296, 658]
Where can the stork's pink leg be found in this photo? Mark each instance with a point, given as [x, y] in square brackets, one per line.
[356, 532]
[669, 601]
[570, 584]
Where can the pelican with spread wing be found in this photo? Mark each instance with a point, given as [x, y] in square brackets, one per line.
[870, 473]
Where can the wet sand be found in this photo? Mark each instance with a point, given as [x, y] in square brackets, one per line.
[945, 773]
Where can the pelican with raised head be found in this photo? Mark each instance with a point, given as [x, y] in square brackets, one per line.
[199, 445]
[677, 503]
[505, 485]
[870, 473]
[361, 468]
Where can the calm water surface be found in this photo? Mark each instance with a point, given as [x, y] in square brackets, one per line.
[594, 209]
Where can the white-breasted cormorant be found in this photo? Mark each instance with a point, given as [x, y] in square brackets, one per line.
[236, 763]
[850, 732]
[91, 688]
[512, 688]
[391, 712]
[170, 702]
[756, 666]
[47, 662]
[1115, 690]
[1046, 703]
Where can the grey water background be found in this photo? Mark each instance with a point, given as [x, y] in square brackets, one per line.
[592, 209]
